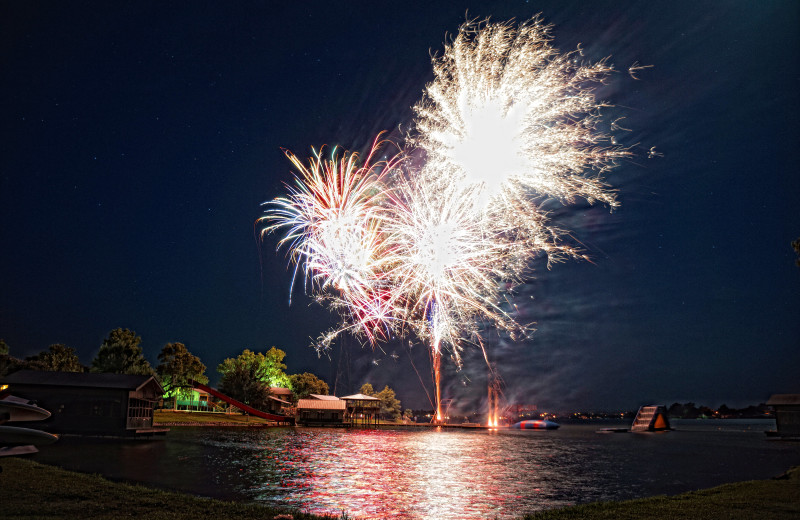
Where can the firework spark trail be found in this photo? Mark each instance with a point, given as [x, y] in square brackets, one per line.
[507, 123]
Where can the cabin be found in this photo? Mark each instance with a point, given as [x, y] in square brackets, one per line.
[116, 405]
[280, 400]
[787, 414]
[277, 406]
[321, 412]
[281, 393]
[193, 400]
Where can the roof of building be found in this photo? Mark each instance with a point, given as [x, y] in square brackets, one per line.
[321, 404]
[279, 390]
[323, 397]
[81, 379]
[791, 399]
[360, 397]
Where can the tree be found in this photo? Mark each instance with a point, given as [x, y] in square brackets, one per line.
[120, 353]
[367, 389]
[8, 363]
[274, 374]
[796, 246]
[306, 384]
[177, 366]
[248, 377]
[58, 358]
[390, 406]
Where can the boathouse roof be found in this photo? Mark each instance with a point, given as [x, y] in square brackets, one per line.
[784, 399]
[321, 397]
[84, 380]
[360, 397]
[321, 404]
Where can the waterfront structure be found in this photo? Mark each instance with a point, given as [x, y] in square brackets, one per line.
[119, 405]
[362, 410]
[329, 410]
[321, 412]
[787, 414]
[651, 419]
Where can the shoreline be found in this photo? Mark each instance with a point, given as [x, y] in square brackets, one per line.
[34, 490]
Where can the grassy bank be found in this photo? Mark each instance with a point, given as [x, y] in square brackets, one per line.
[168, 417]
[29, 490]
[776, 499]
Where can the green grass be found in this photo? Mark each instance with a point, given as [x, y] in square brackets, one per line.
[168, 417]
[29, 490]
[774, 499]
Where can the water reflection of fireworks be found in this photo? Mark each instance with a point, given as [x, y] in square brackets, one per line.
[507, 123]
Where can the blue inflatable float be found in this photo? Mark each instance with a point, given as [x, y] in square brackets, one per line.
[536, 424]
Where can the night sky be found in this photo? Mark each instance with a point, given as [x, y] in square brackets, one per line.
[139, 140]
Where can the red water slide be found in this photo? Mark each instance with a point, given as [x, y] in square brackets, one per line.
[241, 406]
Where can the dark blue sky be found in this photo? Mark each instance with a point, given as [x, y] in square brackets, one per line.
[139, 140]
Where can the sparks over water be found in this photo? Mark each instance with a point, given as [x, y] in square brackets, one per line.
[507, 123]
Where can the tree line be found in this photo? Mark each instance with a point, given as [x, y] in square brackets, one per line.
[246, 378]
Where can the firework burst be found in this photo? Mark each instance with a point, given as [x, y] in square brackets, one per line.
[507, 123]
[508, 113]
[333, 218]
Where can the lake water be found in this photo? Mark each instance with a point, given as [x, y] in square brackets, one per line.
[435, 474]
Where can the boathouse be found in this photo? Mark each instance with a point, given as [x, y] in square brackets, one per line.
[362, 410]
[119, 405]
[787, 414]
[321, 412]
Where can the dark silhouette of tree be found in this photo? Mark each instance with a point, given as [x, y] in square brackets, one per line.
[8, 363]
[177, 366]
[796, 246]
[120, 353]
[306, 384]
[57, 358]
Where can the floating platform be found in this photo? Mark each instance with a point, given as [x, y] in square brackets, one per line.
[536, 424]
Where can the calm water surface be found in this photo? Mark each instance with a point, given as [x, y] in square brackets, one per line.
[436, 474]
